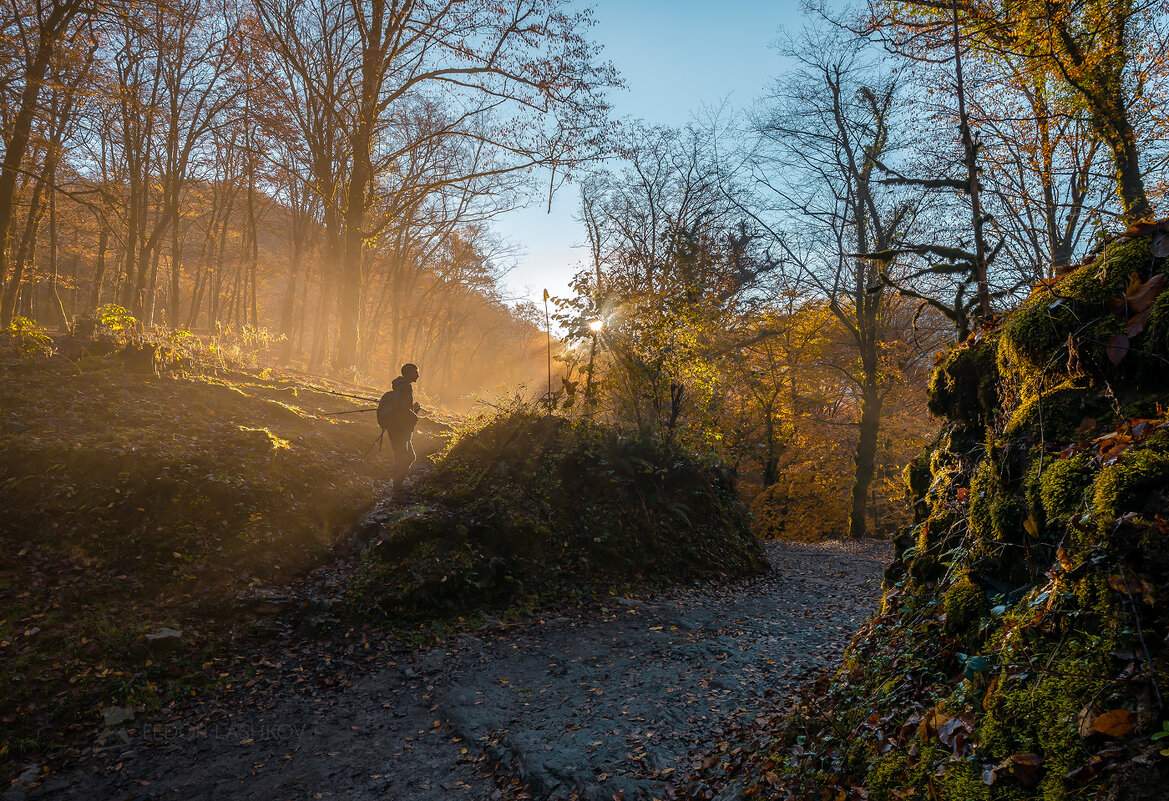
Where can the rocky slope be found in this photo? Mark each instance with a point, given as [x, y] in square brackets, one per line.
[1020, 648]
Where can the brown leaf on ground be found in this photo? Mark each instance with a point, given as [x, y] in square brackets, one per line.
[1117, 348]
[1026, 768]
[1143, 298]
[1137, 324]
[1114, 723]
[1134, 285]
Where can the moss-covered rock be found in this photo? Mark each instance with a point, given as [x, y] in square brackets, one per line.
[966, 609]
[1035, 336]
[997, 513]
[918, 477]
[1050, 416]
[1063, 484]
[965, 386]
[1135, 483]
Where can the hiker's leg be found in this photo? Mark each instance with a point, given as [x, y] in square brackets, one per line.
[402, 459]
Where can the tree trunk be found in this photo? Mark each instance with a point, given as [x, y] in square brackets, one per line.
[176, 268]
[771, 464]
[349, 296]
[1130, 184]
[973, 187]
[17, 145]
[24, 252]
[866, 454]
[253, 245]
[288, 305]
[99, 269]
[58, 307]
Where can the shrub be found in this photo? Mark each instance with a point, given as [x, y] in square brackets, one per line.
[29, 339]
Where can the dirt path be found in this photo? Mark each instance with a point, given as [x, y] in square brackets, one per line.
[571, 707]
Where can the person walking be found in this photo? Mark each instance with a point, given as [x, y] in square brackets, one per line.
[402, 416]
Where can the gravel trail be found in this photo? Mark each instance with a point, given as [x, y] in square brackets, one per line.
[585, 707]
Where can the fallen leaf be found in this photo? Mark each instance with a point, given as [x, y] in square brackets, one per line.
[1025, 768]
[1114, 723]
[1143, 298]
[1137, 324]
[1117, 348]
[1031, 526]
[1134, 285]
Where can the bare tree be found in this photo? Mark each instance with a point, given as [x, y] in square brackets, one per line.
[510, 68]
[825, 128]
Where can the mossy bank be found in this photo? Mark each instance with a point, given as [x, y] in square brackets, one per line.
[532, 509]
[1020, 648]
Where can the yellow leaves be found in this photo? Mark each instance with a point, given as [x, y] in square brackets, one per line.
[1030, 526]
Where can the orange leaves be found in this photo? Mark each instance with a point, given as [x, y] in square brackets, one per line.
[1111, 446]
[1115, 723]
[1138, 301]
[1046, 284]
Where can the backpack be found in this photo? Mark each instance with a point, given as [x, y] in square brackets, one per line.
[386, 411]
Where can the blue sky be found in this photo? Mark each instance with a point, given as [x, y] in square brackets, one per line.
[676, 57]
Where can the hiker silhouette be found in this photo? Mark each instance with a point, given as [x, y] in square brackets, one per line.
[397, 415]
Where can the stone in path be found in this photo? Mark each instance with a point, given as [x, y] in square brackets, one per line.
[581, 707]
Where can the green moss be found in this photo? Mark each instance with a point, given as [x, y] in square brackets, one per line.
[918, 477]
[1147, 406]
[1157, 329]
[966, 609]
[1051, 416]
[1127, 485]
[964, 387]
[963, 782]
[1029, 716]
[1063, 483]
[885, 776]
[1034, 337]
[996, 513]
[925, 568]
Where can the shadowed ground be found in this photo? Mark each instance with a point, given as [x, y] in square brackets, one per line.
[563, 707]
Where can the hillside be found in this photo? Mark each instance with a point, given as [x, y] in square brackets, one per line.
[153, 495]
[178, 515]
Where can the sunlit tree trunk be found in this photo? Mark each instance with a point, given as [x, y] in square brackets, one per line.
[57, 307]
[99, 269]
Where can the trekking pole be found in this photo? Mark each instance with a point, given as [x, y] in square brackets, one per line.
[315, 388]
[377, 442]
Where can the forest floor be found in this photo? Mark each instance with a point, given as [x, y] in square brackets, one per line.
[613, 699]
